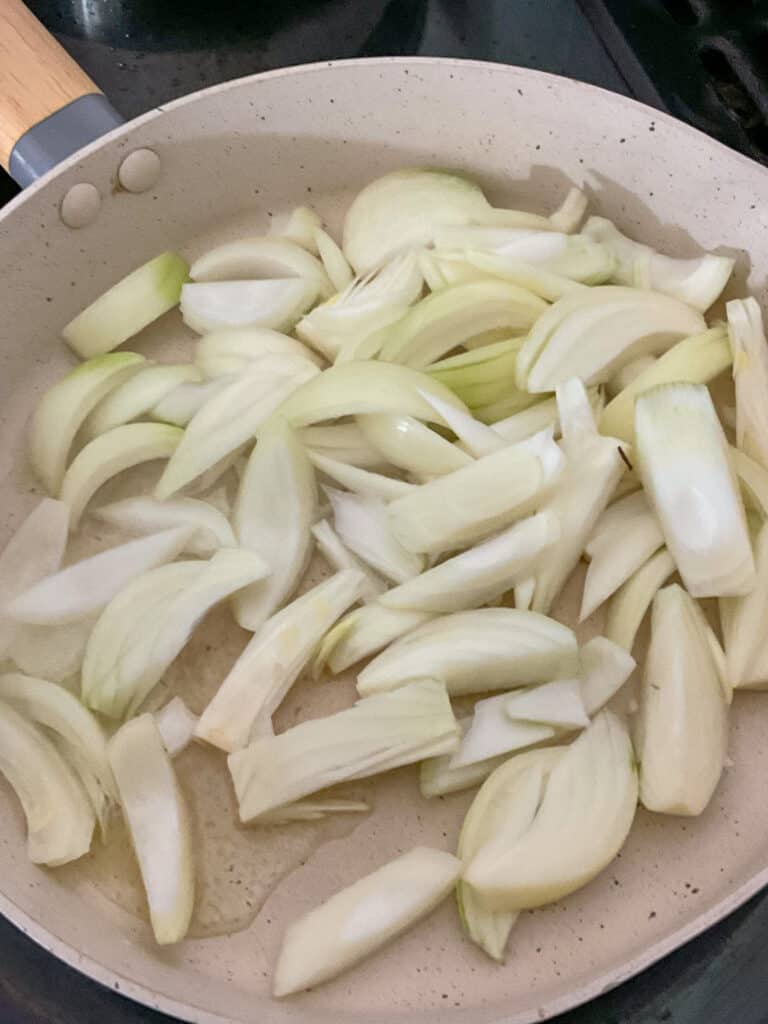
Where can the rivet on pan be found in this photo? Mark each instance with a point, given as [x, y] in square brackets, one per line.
[80, 206]
[139, 171]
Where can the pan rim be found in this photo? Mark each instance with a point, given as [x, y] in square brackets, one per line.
[607, 979]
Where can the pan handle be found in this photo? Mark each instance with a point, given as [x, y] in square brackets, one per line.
[49, 107]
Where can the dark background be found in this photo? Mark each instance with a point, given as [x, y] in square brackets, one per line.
[705, 61]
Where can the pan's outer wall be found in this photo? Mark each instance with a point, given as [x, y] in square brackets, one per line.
[263, 144]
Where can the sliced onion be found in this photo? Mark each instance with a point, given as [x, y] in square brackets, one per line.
[474, 436]
[53, 707]
[683, 458]
[462, 507]
[363, 632]
[363, 525]
[119, 449]
[34, 551]
[683, 716]
[591, 333]
[214, 305]
[750, 374]
[352, 322]
[448, 318]
[533, 278]
[158, 821]
[375, 735]
[232, 418]
[698, 359]
[359, 919]
[300, 228]
[83, 589]
[334, 261]
[230, 353]
[629, 604]
[50, 652]
[483, 375]
[184, 401]
[698, 281]
[522, 425]
[128, 307]
[137, 397]
[605, 667]
[176, 725]
[438, 778]
[275, 508]
[411, 445]
[354, 389]
[492, 732]
[65, 406]
[60, 819]
[558, 704]
[593, 468]
[209, 528]
[618, 554]
[582, 821]
[506, 803]
[265, 671]
[146, 625]
[344, 442]
[340, 558]
[360, 481]
[477, 651]
[742, 620]
[481, 574]
[254, 258]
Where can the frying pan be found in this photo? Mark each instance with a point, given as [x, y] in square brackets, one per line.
[230, 159]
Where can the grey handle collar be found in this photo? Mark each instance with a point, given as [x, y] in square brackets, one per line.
[60, 135]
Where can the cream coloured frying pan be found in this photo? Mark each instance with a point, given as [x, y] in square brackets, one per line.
[226, 161]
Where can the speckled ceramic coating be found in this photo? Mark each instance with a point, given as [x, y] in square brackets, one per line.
[231, 158]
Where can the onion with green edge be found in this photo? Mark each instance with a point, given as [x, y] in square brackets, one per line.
[128, 306]
[698, 360]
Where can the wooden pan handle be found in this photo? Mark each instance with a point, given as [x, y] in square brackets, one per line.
[37, 75]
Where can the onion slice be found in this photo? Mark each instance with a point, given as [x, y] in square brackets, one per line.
[254, 258]
[477, 651]
[277, 303]
[360, 918]
[137, 396]
[375, 735]
[275, 508]
[60, 819]
[209, 528]
[65, 406]
[119, 449]
[271, 662]
[128, 306]
[83, 589]
[631, 601]
[158, 821]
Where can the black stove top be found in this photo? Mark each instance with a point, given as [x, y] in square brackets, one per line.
[704, 60]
